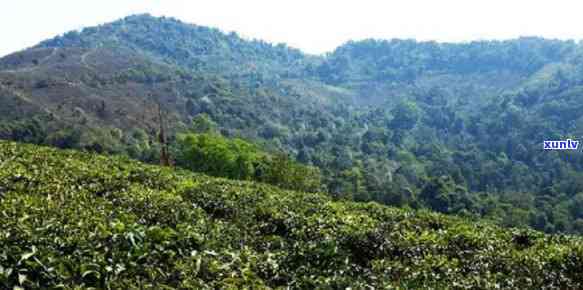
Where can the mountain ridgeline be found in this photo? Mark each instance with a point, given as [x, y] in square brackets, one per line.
[457, 128]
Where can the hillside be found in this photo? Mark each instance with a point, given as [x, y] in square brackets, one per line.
[114, 76]
[453, 127]
[75, 220]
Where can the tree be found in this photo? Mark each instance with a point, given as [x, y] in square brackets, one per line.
[405, 117]
[164, 154]
[443, 195]
[203, 123]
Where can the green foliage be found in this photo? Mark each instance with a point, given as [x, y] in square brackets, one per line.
[381, 120]
[198, 47]
[443, 195]
[279, 169]
[237, 159]
[73, 220]
[202, 123]
[406, 60]
[217, 156]
[405, 117]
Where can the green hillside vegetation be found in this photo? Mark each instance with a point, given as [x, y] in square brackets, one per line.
[456, 128]
[237, 159]
[74, 220]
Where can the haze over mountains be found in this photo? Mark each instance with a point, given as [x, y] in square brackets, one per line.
[458, 128]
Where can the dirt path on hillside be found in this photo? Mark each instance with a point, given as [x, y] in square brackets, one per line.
[35, 67]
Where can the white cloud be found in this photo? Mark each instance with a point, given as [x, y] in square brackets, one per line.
[314, 26]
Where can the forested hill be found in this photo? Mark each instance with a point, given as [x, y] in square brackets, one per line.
[78, 221]
[457, 128]
[199, 48]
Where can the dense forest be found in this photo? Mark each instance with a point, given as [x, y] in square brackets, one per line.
[455, 128]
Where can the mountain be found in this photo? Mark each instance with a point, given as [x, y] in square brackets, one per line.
[457, 128]
[196, 47]
[115, 75]
[77, 220]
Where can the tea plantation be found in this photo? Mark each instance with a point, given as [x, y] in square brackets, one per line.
[72, 220]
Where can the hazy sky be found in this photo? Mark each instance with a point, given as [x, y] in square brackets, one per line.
[311, 25]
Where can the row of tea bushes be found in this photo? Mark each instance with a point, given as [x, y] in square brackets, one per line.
[73, 220]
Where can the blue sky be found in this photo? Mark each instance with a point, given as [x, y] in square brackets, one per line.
[311, 25]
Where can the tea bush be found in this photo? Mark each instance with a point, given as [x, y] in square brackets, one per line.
[72, 220]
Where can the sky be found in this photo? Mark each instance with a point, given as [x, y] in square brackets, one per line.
[311, 25]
